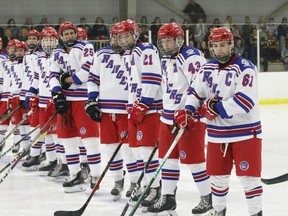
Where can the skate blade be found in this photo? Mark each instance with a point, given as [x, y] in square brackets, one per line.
[58, 179]
[75, 189]
[116, 198]
[144, 209]
[208, 213]
[43, 173]
[32, 168]
[164, 213]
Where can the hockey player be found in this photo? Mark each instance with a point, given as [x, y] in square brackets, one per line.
[38, 97]
[144, 100]
[69, 93]
[16, 68]
[180, 64]
[228, 85]
[107, 106]
[82, 34]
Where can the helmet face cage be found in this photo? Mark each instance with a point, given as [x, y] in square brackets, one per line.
[128, 34]
[170, 38]
[48, 44]
[221, 34]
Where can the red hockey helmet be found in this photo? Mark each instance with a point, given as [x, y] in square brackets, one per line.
[33, 32]
[12, 43]
[49, 32]
[171, 30]
[113, 38]
[21, 44]
[125, 28]
[49, 40]
[221, 34]
[67, 25]
[170, 38]
[82, 34]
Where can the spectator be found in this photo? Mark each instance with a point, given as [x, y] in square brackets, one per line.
[23, 33]
[185, 26]
[43, 23]
[216, 23]
[229, 22]
[156, 24]
[282, 33]
[272, 27]
[143, 25]
[284, 56]
[60, 21]
[195, 11]
[99, 30]
[114, 20]
[200, 32]
[204, 49]
[7, 36]
[12, 26]
[172, 20]
[28, 23]
[83, 24]
[247, 29]
[239, 48]
[271, 47]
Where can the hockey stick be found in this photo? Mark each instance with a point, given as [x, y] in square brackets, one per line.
[139, 180]
[275, 180]
[17, 143]
[16, 126]
[157, 171]
[4, 118]
[82, 209]
[5, 113]
[43, 132]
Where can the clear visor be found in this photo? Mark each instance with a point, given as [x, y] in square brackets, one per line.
[169, 45]
[127, 40]
[49, 44]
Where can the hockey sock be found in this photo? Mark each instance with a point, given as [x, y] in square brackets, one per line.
[93, 155]
[170, 174]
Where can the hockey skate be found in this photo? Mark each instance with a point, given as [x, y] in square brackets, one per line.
[60, 172]
[15, 149]
[204, 205]
[165, 204]
[76, 184]
[45, 168]
[152, 197]
[31, 164]
[117, 189]
[215, 213]
[131, 188]
[86, 169]
[93, 182]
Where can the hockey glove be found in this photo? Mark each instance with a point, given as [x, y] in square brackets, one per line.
[50, 107]
[93, 110]
[33, 103]
[209, 109]
[62, 78]
[22, 104]
[60, 103]
[184, 119]
[138, 112]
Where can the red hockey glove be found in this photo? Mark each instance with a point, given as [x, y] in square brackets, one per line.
[138, 112]
[184, 118]
[12, 102]
[33, 103]
[209, 110]
[50, 107]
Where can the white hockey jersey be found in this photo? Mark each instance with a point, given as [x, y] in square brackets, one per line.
[29, 66]
[79, 61]
[15, 78]
[235, 86]
[178, 73]
[40, 84]
[144, 76]
[5, 80]
[108, 81]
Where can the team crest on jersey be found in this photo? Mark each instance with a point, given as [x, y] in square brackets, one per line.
[244, 165]
[122, 134]
[139, 135]
[182, 154]
[190, 52]
[12, 118]
[245, 62]
[82, 130]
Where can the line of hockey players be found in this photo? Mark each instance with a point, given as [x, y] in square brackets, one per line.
[127, 87]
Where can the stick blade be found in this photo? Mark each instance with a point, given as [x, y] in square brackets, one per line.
[66, 213]
[275, 180]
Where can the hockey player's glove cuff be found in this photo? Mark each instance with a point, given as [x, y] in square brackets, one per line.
[93, 110]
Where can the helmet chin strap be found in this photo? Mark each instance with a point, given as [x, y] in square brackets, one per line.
[70, 43]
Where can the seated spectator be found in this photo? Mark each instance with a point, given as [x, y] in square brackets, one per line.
[12, 26]
[114, 20]
[229, 22]
[204, 49]
[7, 36]
[83, 24]
[156, 24]
[239, 48]
[60, 21]
[99, 30]
[284, 56]
[172, 20]
[216, 23]
[28, 23]
[143, 25]
[282, 33]
[200, 32]
[185, 26]
[195, 11]
[43, 23]
[272, 27]
[247, 29]
[271, 47]
[23, 33]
